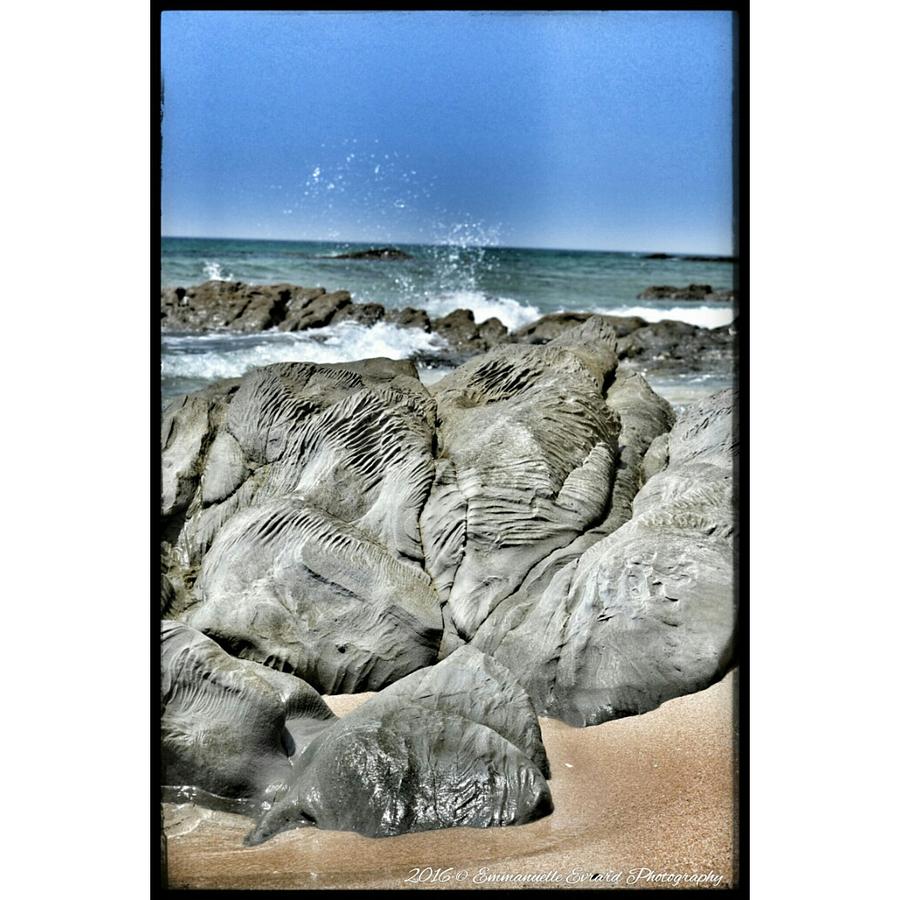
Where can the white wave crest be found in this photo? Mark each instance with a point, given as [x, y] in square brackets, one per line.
[213, 271]
[704, 316]
[211, 357]
[510, 312]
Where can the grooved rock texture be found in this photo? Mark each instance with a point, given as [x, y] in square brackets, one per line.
[647, 613]
[230, 727]
[454, 744]
[527, 453]
[302, 534]
[536, 531]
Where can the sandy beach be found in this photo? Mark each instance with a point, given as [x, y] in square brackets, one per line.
[645, 797]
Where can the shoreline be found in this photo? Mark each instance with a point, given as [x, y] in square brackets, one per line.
[226, 313]
[653, 791]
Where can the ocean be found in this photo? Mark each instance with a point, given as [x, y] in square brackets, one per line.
[515, 285]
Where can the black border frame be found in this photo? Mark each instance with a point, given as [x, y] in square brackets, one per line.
[741, 187]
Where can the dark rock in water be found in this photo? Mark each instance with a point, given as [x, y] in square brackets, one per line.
[238, 307]
[466, 336]
[231, 305]
[647, 613]
[364, 313]
[458, 326]
[375, 253]
[409, 317]
[230, 727]
[709, 259]
[457, 744]
[492, 332]
[678, 347]
[314, 312]
[662, 347]
[549, 327]
[302, 531]
[691, 292]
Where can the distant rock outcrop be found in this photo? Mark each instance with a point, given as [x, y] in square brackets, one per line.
[667, 346]
[691, 292]
[375, 253]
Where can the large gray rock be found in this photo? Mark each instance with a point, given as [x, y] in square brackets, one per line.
[647, 613]
[526, 460]
[230, 728]
[456, 744]
[343, 524]
[532, 533]
[301, 540]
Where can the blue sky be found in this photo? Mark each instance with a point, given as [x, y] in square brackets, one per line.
[584, 130]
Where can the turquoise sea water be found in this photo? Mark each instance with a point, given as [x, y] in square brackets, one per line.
[515, 285]
[518, 282]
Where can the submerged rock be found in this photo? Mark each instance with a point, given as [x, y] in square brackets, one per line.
[457, 744]
[670, 347]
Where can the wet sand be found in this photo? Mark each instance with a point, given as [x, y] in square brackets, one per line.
[647, 794]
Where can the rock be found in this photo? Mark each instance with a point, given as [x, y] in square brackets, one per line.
[457, 744]
[364, 313]
[349, 526]
[409, 318]
[458, 327]
[648, 612]
[467, 337]
[315, 312]
[549, 327]
[492, 332]
[231, 305]
[302, 544]
[672, 346]
[375, 253]
[230, 727]
[525, 461]
[691, 292]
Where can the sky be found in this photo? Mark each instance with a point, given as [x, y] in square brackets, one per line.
[582, 130]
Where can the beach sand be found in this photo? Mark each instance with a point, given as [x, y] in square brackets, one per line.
[651, 793]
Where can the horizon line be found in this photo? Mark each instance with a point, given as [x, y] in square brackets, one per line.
[197, 237]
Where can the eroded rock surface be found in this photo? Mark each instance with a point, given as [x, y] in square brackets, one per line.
[230, 727]
[303, 532]
[455, 744]
[648, 612]
[534, 531]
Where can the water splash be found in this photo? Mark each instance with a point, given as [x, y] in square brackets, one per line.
[213, 271]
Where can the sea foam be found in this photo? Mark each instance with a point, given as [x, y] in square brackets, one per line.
[704, 316]
[511, 313]
[213, 356]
